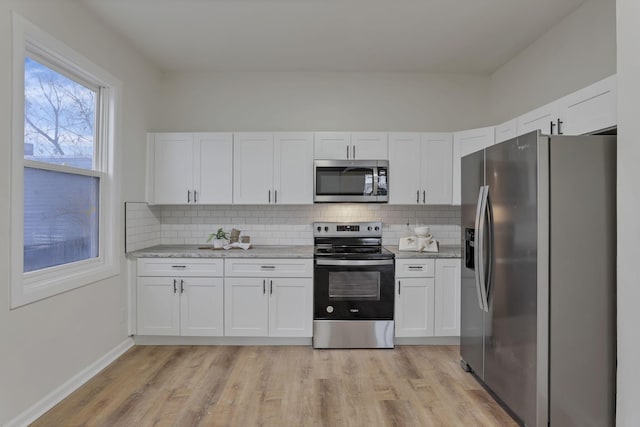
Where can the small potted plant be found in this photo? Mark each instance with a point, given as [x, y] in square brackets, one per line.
[218, 238]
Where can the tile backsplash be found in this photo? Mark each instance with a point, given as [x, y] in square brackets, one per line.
[142, 226]
[283, 225]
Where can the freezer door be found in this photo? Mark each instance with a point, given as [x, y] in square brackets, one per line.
[511, 323]
[471, 312]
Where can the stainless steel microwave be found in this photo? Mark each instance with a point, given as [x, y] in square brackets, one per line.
[351, 181]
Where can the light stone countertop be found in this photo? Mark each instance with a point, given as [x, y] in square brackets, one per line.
[445, 251]
[193, 251]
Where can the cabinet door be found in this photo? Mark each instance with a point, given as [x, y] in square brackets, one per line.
[404, 168]
[506, 131]
[201, 306]
[172, 168]
[246, 306]
[290, 307]
[447, 298]
[437, 168]
[158, 306]
[369, 146]
[293, 168]
[332, 145]
[467, 142]
[213, 168]
[253, 168]
[414, 307]
[543, 118]
[590, 109]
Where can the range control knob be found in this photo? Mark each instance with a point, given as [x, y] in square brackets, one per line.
[326, 229]
[329, 309]
[377, 228]
[369, 228]
[319, 228]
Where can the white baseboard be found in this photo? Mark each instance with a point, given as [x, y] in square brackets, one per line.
[56, 396]
[428, 341]
[173, 340]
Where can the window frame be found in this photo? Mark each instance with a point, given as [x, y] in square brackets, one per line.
[28, 40]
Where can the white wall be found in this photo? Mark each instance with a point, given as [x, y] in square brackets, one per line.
[628, 397]
[46, 343]
[273, 101]
[578, 51]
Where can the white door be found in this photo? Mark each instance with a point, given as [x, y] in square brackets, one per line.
[293, 168]
[290, 307]
[201, 306]
[590, 109]
[172, 170]
[414, 307]
[404, 168]
[213, 168]
[467, 142]
[253, 168]
[332, 145]
[544, 118]
[447, 298]
[246, 306]
[158, 303]
[369, 146]
[437, 168]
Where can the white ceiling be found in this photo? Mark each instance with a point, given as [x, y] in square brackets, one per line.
[472, 36]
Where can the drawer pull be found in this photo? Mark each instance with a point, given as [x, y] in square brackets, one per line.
[178, 266]
[416, 267]
[268, 267]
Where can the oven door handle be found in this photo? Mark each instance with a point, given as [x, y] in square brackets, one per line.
[355, 263]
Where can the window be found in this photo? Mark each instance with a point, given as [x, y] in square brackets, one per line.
[64, 225]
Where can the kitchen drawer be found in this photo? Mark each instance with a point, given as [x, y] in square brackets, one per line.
[184, 267]
[268, 267]
[415, 267]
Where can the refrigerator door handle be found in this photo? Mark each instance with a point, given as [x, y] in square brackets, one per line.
[478, 249]
[491, 258]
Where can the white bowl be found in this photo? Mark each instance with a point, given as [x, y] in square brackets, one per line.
[421, 231]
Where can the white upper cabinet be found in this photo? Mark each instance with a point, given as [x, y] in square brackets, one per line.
[253, 168]
[587, 110]
[506, 131]
[293, 168]
[420, 168]
[272, 168]
[189, 168]
[467, 142]
[590, 109]
[350, 146]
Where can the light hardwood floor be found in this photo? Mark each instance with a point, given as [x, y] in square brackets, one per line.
[281, 386]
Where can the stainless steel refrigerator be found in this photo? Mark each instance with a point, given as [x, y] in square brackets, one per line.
[538, 276]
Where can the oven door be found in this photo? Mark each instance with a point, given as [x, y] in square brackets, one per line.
[353, 289]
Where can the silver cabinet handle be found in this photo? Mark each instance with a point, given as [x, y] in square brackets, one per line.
[399, 286]
[175, 289]
[264, 287]
[195, 196]
[267, 267]
[354, 152]
[424, 196]
[416, 267]
[552, 126]
[417, 196]
[188, 196]
[269, 196]
[270, 287]
[275, 196]
[182, 286]
[347, 152]
[560, 122]
[179, 266]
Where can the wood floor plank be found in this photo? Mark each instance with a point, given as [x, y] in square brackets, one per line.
[281, 386]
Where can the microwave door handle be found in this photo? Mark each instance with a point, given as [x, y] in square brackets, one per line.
[478, 246]
[375, 181]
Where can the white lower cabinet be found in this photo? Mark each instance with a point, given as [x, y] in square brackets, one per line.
[186, 303]
[269, 305]
[427, 299]
[188, 306]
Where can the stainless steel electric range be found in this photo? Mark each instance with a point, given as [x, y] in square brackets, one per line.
[353, 286]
